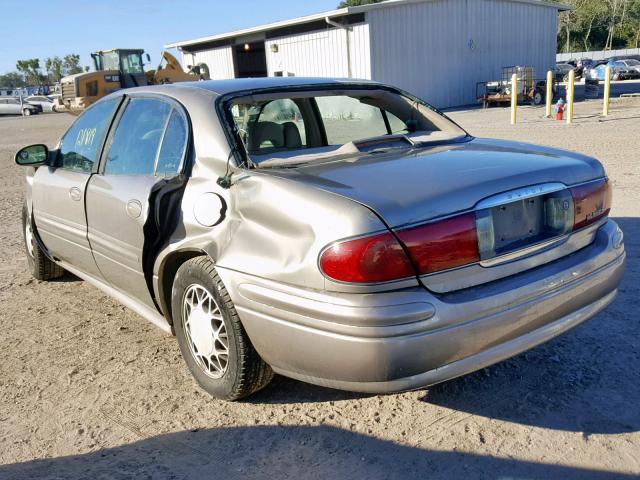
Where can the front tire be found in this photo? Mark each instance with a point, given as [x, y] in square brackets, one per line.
[26, 112]
[211, 337]
[40, 266]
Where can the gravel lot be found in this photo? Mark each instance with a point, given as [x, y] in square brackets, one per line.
[90, 390]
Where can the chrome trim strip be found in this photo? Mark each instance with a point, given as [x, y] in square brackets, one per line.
[520, 194]
[525, 252]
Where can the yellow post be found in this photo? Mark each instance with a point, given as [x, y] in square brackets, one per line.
[549, 92]
[570, 95]
[607, 91]
[514, 98]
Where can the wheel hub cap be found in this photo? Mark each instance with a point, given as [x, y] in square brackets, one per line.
[28, 238]
[205, 330]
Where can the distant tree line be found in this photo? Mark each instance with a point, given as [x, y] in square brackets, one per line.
[30, 72]
[599, 25]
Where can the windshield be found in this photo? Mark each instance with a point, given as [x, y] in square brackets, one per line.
[633, 63]
[299, 127]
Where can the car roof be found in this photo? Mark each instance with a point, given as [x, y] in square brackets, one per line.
[223, 87]
[186, 91]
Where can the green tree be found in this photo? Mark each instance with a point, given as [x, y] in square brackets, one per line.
[53, 66]
[71, 64]
[599, 25]
[631, 28]
[357, 3]
[12, 80]
[30, 68]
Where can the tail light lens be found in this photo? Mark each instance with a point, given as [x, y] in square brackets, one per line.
[381, 258]
[591, 202]
[449, 243]
[374, 259]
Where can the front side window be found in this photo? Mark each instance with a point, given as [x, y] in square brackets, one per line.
[79, 147]
[134, 146]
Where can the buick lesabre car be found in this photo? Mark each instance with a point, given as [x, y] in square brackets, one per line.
[341, 233]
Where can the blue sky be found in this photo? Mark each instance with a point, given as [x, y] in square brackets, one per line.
[40, 29]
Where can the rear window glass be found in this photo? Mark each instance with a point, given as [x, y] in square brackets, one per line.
[289, 127]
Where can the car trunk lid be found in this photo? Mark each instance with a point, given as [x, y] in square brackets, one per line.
[407, 188]
[510, 183]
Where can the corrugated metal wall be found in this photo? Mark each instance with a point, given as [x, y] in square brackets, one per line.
[219, 61]
[321, 54]
[439, 50]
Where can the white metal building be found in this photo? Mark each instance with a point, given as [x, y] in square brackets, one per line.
[436, 49]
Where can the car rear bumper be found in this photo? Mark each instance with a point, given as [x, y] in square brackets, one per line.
[401, 340]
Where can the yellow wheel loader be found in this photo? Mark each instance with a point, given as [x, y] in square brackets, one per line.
[120, 68]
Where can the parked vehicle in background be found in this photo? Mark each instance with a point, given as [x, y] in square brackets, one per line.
[343, 233]
[45, 102]
[561, 71]
[581, 65]
[619, 71]
[14, 106]
[630, 64]
[624, 57]
[121, 68]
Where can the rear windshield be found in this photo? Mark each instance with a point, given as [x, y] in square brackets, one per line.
[301, 127]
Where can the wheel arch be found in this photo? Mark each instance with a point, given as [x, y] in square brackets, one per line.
[166, 274]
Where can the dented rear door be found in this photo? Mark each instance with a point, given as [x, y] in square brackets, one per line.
[144, 152]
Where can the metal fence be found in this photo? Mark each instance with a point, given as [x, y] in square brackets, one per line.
[597, 55]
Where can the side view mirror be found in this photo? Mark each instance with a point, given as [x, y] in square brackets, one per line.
[32, 156]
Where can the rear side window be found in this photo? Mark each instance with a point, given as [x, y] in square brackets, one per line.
[79, 146]
[134, 145]
[173, 146]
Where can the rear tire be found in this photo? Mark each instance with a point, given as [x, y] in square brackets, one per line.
[40, 266]
[211, 337]
[537, 99]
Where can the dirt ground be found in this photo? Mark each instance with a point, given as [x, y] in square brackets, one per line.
[90, 390]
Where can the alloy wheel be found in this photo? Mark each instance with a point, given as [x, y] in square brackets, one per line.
[205, 330]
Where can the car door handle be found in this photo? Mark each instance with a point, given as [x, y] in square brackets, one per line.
[75, 194]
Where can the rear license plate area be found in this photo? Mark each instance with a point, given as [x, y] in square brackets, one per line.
[517, 224]
[514, 225]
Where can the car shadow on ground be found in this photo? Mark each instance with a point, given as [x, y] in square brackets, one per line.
[321, 452]
[584, 381]
[66, 278]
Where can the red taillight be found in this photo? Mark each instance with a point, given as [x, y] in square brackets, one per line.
[378, 258]
[442, 245]
[591, 201]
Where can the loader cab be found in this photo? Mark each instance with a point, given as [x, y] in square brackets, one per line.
[128, 63]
